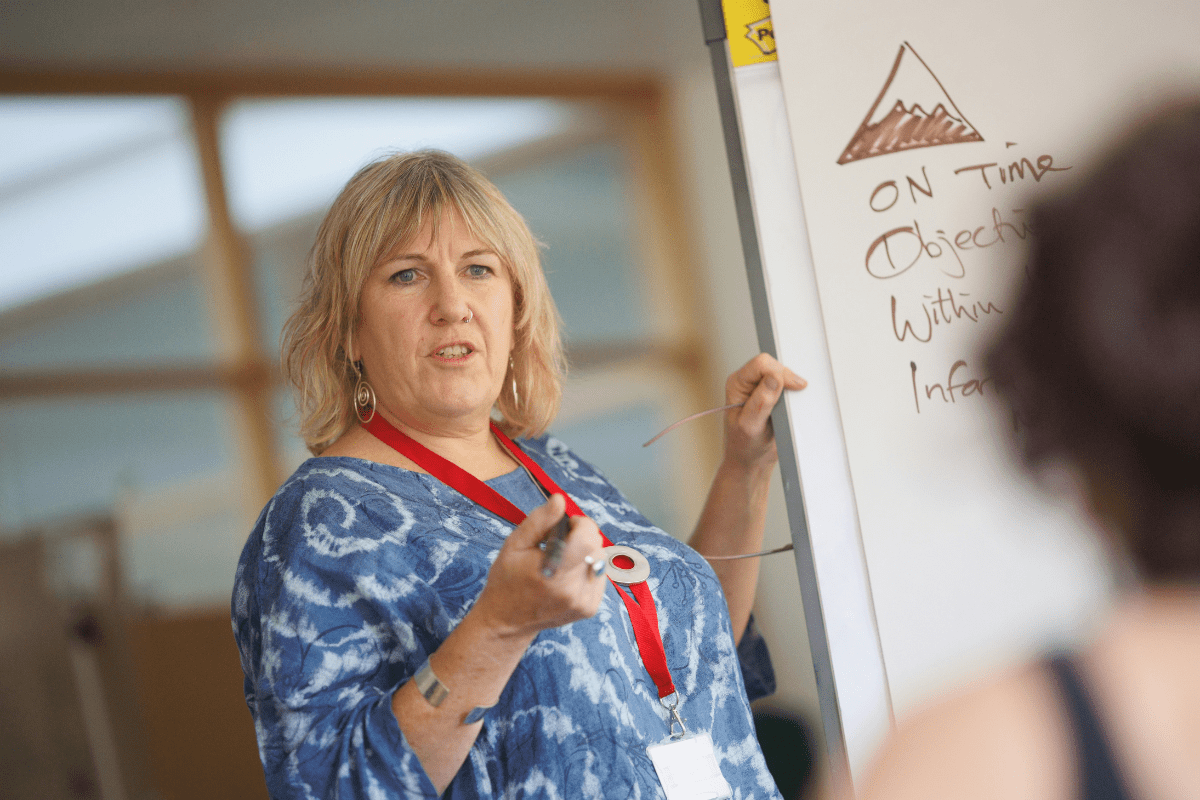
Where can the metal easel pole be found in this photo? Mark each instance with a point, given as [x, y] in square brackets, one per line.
[715, 36]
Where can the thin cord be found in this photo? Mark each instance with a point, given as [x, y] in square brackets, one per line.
[783, 549]
[675, 425]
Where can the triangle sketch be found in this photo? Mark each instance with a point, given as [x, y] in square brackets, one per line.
[912, 110]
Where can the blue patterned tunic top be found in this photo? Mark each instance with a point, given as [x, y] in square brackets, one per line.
[356, 572]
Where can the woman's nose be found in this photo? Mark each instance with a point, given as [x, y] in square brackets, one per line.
[449, 303]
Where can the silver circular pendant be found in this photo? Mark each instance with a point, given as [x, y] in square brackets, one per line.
[619, 568]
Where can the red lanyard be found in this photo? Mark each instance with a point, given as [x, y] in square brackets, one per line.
[642, 611]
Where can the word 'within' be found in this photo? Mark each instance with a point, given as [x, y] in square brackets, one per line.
[940, 310]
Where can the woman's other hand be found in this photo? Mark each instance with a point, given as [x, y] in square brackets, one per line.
[749, 439]
[519, 600]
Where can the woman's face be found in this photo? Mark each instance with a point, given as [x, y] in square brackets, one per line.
[431, 368]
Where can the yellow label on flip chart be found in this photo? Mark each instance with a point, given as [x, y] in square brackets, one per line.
[748, 28]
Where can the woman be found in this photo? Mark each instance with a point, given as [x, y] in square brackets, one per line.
[404, 638]
[1101, 364]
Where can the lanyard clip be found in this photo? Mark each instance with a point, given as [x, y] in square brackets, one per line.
[673, 708]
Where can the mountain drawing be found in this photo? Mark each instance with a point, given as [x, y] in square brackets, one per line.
[912, 110]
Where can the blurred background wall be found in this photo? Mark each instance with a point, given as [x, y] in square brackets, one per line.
[163, 167]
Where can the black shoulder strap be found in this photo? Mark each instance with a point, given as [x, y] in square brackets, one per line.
[1099, 776]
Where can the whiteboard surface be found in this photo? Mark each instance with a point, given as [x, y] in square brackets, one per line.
[971, 565]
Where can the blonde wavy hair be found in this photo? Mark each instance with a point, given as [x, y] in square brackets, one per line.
[382, 208]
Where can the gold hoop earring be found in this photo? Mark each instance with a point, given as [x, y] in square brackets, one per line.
[364, 396]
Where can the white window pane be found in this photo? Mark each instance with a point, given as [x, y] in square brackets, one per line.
[157, 316]
[162, 465]
[80, 455]
[577, 203]
[91, 188]
[286, 158]
[40, 134]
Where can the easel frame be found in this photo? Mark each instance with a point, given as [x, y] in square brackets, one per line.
[839, 614]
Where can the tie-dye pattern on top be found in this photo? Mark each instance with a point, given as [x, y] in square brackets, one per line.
[357, 571]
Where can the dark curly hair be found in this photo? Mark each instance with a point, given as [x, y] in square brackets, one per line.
[1100, 359]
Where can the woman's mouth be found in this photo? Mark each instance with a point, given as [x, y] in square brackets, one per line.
[454, 351]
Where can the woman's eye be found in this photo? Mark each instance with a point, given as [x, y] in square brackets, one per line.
[478, 270]
[405, 276]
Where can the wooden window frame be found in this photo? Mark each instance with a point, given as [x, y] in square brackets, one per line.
[246, 373]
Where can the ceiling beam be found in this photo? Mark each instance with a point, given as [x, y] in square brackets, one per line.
[44, 384]
[364, 81]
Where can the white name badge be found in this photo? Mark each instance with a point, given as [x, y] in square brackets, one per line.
[688, 769]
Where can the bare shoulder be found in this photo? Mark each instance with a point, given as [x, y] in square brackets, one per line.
[1001, 738]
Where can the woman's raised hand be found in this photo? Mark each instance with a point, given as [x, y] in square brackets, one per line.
[734, 515]
[749, 441]
[519, 600]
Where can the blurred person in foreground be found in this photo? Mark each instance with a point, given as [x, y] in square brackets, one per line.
[401, 632]
[1100, 362]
